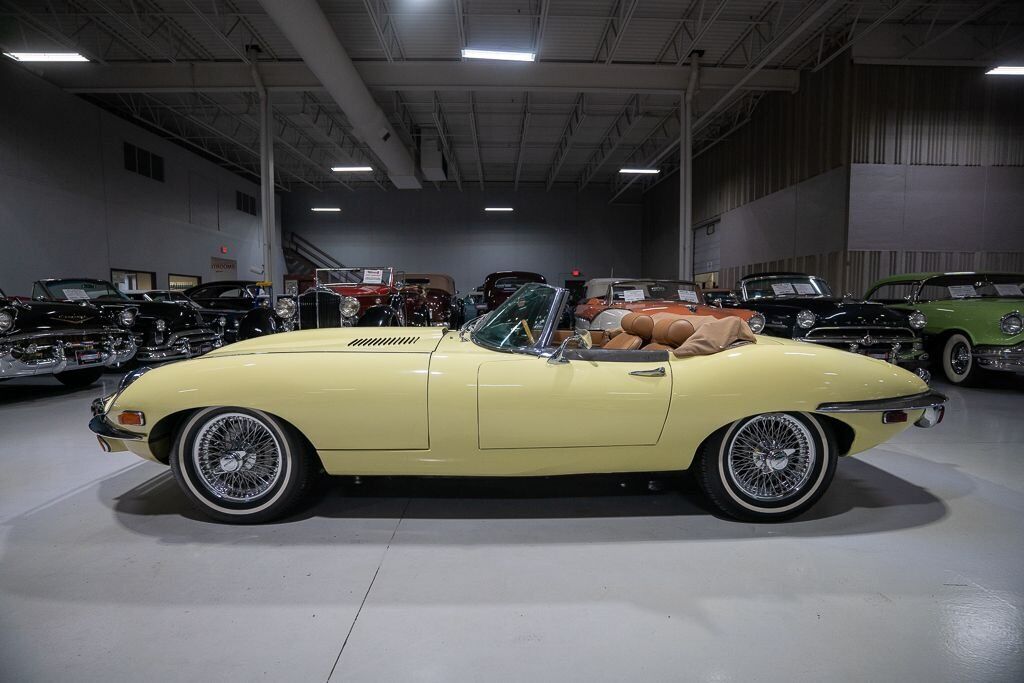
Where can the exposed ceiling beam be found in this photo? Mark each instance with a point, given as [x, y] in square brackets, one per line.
[981, 11]
[618, 22]
[413, 76]
[444, 135]
[239, 52]
[572, 127]
[612, 139]
[384, 27]
[854, 39]
[51, 32]
[542, 24]
[476, 140]
[135, 31]
[522, 139]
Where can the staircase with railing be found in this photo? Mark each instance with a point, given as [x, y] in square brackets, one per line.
[302, 258]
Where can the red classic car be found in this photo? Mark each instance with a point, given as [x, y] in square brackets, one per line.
[442, 306]
[607, 300]
[501, 285]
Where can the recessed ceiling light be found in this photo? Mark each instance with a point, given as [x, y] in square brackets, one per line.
[326, 209]
[1006, 71]
[499, 54]
[642, 171]
[351, 169]
[46, 56]
[498, 208]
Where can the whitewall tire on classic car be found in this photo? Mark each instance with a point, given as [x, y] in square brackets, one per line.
[240, 466]
[957, 360]
[768, 467]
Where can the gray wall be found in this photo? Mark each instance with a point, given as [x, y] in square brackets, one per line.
[68, 207]
[448, 231]
[660, 234]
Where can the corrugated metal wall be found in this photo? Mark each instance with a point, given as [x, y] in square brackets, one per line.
[868, 266]
[828, 265]
[790, 137]
[936, 116]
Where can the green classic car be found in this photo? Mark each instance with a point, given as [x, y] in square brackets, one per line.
[974, 319]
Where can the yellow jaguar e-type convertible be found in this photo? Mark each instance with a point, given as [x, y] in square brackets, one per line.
[761, 420]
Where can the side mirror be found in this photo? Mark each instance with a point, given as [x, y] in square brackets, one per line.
[581, 341]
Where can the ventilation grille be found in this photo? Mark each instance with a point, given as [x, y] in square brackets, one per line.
[384, 341]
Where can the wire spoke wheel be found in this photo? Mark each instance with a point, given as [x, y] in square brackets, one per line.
[237, 457]
[771, 457]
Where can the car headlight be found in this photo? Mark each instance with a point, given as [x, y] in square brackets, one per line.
[349, 306]
[805, 319]
[222, 321]
[237, 323]
[126, 317]
[7, 320]
[129, 378]
[756, 323]
[917, 320]
[1011, 323]
[285, 308]
[161, 325]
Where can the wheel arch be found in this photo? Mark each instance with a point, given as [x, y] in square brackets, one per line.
[842, 433]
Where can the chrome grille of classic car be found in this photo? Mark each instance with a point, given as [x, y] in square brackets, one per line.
[319, 308]
[384, 341]
[864, 336]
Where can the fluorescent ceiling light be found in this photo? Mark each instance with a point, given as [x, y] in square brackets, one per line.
[46, 56]
[326, 209]
[642, 171]
[499, 54]
[351, 169]
[1006, 71]
[498, 208]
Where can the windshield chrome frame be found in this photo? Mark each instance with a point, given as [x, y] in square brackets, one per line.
[558, 304]
[387, 269]
[743, 287]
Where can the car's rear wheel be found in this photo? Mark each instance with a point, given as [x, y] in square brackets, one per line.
[768, 467]
[241, 466]
[79, 378]
[958, 360]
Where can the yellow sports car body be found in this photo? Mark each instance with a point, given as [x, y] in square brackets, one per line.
[245, 427]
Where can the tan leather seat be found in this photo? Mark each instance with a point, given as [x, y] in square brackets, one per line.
[670, 333]
[637, 329]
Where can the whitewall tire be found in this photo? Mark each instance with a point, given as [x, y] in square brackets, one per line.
[239, 465]
[768, 467]
[957, 360]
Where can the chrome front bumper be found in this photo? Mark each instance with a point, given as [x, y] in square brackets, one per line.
[931, 402]
[51, 353]
[1005, 358]
[181, 345]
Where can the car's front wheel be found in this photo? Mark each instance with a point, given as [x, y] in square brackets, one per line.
[958, 360]
[239, 465]
[768, 467]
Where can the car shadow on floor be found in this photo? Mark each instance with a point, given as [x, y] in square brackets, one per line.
[862, 499]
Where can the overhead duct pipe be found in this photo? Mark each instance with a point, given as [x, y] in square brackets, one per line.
[307, 28]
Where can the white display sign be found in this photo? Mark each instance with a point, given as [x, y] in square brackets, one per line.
[962, 291]
[373, 276]
[633, 295]
[782, 288]
[75, 294]
[1008, 289]
[805, 288]
[688, 295]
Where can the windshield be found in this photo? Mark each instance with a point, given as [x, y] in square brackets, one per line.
[785, 287]
[659, 290]
[84, 290]
[972, 286]
[519, 322]
[355, 276]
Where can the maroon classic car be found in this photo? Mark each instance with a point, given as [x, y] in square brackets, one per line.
[501, 285]
[442, 306]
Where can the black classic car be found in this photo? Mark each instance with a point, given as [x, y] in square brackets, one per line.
[221, 305]
[343, 297]
[72, 342]
[441, 298]
[803, 307]
[163, 331]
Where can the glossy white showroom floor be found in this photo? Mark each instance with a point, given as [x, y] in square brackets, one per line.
[911, 568]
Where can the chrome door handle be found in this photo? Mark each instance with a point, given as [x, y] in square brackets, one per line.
[656, 372]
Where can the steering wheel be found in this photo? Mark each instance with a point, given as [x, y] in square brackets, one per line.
[528, 331]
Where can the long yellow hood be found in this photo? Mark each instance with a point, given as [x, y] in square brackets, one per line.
[341, 339]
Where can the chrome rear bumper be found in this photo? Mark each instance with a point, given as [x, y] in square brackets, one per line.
[931, 402]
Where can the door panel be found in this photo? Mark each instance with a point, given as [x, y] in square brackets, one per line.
[527, 402]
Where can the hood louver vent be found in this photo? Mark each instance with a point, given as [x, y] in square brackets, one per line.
[384, 341]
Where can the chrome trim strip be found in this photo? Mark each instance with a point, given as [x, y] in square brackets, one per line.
[922, 401]
[99, 425]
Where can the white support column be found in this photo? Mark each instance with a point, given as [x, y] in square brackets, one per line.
[685, 189]
[268, 212]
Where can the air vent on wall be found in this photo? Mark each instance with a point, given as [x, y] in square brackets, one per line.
[384, 341]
